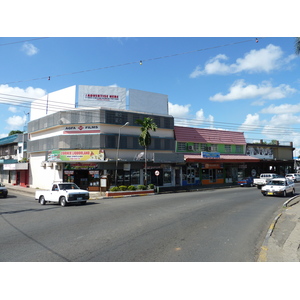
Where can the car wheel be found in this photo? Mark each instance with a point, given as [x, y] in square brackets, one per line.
[63, 201]
[293, 192]
[5, 195]
[284, 193]
[42, 200]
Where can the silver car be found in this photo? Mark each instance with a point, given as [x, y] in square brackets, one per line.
[293, 176]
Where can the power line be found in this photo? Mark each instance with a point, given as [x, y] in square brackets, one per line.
[55, 106]
[24, 41]
[140, 61]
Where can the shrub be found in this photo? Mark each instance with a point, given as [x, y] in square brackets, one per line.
[123, 188]
[131, 188]
[151, 186]
[114, 189]
[141, 187]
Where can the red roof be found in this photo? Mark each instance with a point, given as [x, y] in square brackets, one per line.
[208, 136]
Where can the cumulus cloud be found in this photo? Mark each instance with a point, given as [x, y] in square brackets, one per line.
[240, 90]
[10, 94]
[179, 111]
[29, 49]
[281, 109]
[252, 122]
[16, 122]
[255, 61]
[201, 117]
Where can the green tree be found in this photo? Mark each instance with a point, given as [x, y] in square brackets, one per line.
[146, 124]
[14, 132]
[297, 46]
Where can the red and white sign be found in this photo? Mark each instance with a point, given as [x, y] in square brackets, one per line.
[156, 173]
[82, 129]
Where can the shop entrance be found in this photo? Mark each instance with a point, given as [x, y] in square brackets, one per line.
[81, 178]
[212, 175]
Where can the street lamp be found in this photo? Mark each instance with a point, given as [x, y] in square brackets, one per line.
[117, 157]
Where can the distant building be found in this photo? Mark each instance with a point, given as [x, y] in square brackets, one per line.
[14, 167]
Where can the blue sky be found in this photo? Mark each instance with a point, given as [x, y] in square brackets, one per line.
[234, 83]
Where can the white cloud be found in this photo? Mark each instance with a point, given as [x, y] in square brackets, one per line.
[29, 49]
[281, 109]
[256, 61]
[240, 90]
[16, 122]
[179, 111]
[13, 109]
[8, 93]
[252, 122]
[201, 117]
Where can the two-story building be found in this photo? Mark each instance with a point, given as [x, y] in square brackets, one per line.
[212, 156]
[14, 167]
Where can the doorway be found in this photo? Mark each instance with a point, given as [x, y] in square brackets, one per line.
[81, 178]
[212, 175]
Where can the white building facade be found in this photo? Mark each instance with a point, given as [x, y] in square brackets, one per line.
[79, 135]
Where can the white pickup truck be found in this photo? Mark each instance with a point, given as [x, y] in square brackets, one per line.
[263, 179]
[62, 193]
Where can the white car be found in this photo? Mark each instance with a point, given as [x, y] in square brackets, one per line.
[279, 187]
[293, 176]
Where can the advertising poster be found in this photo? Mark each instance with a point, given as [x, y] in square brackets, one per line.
[76, 155]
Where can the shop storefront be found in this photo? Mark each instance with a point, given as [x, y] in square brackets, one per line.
[16, 173]
[201, 170]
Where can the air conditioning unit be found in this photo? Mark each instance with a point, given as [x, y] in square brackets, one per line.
[49, 164]
[58, 167]
[43, 164]
[190, 147]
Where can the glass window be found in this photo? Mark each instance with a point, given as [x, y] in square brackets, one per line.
[228, 148]
[181, 146]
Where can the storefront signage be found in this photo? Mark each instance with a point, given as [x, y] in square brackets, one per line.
[212, 166]
[18, 166]
[205, 154]
[260, 152]
[102, 97]
[82, 129]
[76, 155]
[80, 166]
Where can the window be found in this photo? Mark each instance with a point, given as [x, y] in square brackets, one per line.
[181, 146]
[196, 147]
[227, 148]
[214, 148]
[239, 149]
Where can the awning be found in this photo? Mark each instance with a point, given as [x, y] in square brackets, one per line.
[224, 158]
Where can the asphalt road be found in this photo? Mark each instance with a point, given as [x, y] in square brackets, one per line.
[226, 225]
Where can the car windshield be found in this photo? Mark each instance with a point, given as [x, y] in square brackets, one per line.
[276, 182]
[68, 186]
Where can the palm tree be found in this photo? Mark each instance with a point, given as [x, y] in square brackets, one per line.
[297, 46]
[145, 137]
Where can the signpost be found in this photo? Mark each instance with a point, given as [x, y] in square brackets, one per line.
[157, 174]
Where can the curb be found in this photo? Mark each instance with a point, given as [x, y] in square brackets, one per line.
[264, 248]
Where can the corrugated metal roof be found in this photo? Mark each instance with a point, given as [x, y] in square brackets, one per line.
[9, 139]
[208, 136]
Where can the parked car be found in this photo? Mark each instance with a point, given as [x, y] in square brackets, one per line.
[246, 181]
[293, 176]
[3, 190]
[263, 179]
[278, 187]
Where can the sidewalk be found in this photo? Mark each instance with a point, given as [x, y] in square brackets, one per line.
[282, 242]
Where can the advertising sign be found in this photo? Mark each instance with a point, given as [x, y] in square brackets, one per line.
[82, 129]
[210, 154]
[104, 96]
[260, 152]
[76, 155]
